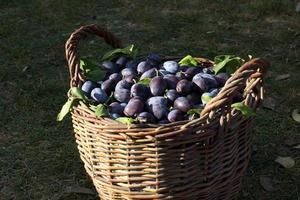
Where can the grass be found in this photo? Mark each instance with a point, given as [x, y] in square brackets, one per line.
[38, 156]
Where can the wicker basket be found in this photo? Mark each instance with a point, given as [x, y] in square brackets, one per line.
[200, 159]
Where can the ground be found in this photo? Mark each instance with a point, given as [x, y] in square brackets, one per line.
[39, 159]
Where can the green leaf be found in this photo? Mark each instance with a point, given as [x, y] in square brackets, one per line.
[245, 110]
[109, 98]
[129, 51]
[101, 111]
[92, 107]
[193, 111]
[188, 61]
[96, 75]
[65, 109]
[206, 97]
[125, 120]
[145, 81]
[87, 65]
[227, 63]
[76, 93]
[91, 70]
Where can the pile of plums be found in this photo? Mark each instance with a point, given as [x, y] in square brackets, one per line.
[168, 94]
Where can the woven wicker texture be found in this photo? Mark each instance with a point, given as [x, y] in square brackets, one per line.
[200, 159]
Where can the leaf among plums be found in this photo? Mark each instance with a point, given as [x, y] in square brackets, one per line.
[75, 94]
[125, 120]
[194, 111]
[130, 51]
[188, 61]
[101, 111]
[91, 70]
[227, 63]
[206, 98]
[145, 81]
[245, 110]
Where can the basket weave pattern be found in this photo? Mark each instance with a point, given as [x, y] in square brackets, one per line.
[200, 159]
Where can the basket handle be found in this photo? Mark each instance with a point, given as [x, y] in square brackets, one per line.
[253, 69]
[71, 45]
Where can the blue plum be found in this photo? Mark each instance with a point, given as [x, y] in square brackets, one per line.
[194, 98]
[99, 95]
[115, 107]
[171, 66]
[121, 61]
[164, 121]
[184, 86]
[146, 117]
[222, 78]
[208, 70]
[182, 104]
[199, 106]
[132, 64]
[108, 85]
[123, 84]
[191, 72]
[149, 73]
[157, 100]
[172, 95]
[210, 80]
[180, 75]
[214, 91]
[183, 68]
[87, 87]
[123, 105]
[171, 81]
[116, 76]
[153, 59]
[157, 86]
[111, 67]
[134, 107]
[163, 72]
[140, 90]
[158, 107]
[143, 66]
[122, 95]
[175, 115]
[115, 115]
[131, 79]
[128, 72]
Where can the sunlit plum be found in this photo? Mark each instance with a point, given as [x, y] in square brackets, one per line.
[143, 66]
[87, 87]
[184, 87]
[157, 86]
[134, 107]
[171, 66]
[111, 67]
[121, 61]
[171, 81]
[182, 104]
[99, 95]
[146, 117]
[175, 115]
